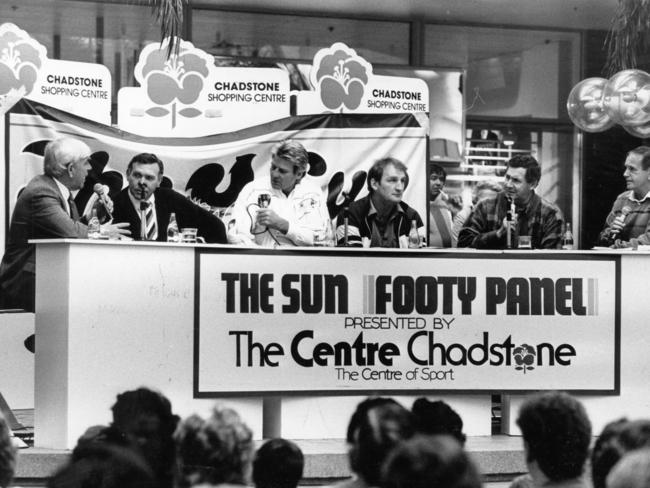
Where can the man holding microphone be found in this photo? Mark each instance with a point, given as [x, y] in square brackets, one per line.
[628, 223]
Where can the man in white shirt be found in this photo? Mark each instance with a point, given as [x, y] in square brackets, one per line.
[282, 209]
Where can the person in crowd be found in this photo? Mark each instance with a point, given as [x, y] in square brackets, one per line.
[7, 454]
[144, 417]
[217, 451]
[556, 433]
[376, 427]
[278, 463]
[616, 439]
[437, 417]
[100, 465]
[534, 216]
[440, 219]
[282, 209]
[481, 191]
[429, 461]
[381, 218]
[632, 471]
[144, 199]
[628, 223]
[45, 209]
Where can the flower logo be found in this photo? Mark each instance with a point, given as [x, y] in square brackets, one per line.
[341, 76]
[21, 58]
[524, 357]
[170, 82]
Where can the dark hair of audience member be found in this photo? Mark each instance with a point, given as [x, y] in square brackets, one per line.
[632, 471]
[557, 431]
[378, 429]
[616, 439]
[145, 418]
[437, 417]
[424, 461]
[7, 454]
[213, 451]
[278, 463]
[99, 465]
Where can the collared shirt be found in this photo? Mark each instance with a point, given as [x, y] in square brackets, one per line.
[136, 205]
[65, 191]
[637, 221]
[539, 218]
[382, 233]
[304, 208]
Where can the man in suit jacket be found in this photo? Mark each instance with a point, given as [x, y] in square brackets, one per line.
[44, 210]
[144, 196]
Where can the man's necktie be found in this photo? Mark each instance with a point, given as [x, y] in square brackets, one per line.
[74, 213]
[150, 231]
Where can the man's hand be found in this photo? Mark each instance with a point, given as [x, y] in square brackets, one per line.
[501, 231]
[115, 231]
[268, 218]
[617, 225]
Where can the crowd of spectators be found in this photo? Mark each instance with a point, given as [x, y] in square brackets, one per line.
[389, 446]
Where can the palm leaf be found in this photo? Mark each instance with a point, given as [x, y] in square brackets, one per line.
[629, 35]
[169, 13]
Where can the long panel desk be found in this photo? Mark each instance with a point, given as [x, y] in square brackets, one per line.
[112, 316]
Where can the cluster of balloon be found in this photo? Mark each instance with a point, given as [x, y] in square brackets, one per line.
[596, 104]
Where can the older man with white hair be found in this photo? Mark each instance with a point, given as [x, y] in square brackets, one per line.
[45, 209]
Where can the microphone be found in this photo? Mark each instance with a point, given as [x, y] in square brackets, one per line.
[264, 200]
[102, 194]
[625, 211]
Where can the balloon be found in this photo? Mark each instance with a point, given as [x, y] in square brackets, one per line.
[640, 131]
[585, 106]
[626, 97]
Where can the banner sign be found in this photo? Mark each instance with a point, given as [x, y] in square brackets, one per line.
[213, 169]
[397, 322]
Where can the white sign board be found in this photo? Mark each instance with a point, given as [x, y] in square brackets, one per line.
[396, 322]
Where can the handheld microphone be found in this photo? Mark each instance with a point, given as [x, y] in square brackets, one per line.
[625, 211]
[102, 194]
[264, 200]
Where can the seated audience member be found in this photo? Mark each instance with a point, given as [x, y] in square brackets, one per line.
[632, 471]
[144, 199]
[481, 191]
[556, 433]
[216, 451]
[7, 454]
[423, 461]
[45, 209]
[144, 417]
[534, 216]
[381, 218]
[282, 209]
[628, 223]
[278, 463]
[99, 465]
[440, 218]
[616, 439]
[437, 417]
[375, 428]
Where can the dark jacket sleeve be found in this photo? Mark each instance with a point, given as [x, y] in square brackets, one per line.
[476, 232]
[188, 214]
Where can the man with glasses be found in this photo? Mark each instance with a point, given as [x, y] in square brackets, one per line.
[45, 209]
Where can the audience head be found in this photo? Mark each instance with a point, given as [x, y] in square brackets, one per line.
[556, 433]
[99, 465]
[437, 418]
[278, 463]
[617, 438]
[145, 418]
[437, 179]
[377, 426]
[485, 189]
[429, 462]
[7, 454]
[632, 471]
[67, 160]
[216, 450]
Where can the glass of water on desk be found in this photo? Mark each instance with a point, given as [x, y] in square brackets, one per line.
[524, 242]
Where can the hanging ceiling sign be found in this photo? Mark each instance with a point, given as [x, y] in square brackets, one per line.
[344, 82]
[186, 95]
[25, 71]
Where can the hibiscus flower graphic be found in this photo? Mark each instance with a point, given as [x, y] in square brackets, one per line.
[21, 58]
[341, 76]
[524, 357]
[174, 81]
